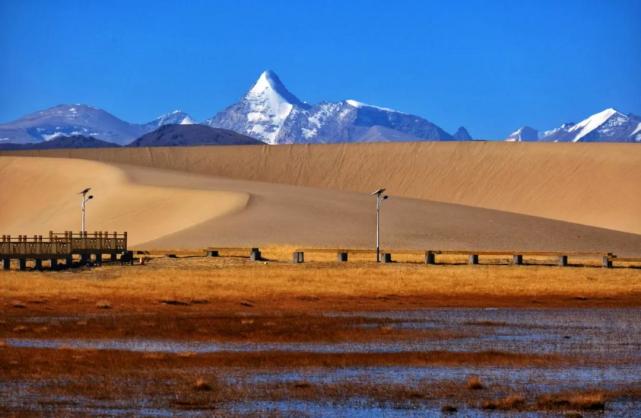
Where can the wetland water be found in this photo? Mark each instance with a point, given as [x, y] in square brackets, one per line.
[601, 349]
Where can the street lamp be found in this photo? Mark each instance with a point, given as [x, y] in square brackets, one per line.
[379, 200]
[83, 206]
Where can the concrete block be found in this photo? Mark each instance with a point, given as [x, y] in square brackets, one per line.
[430, 257]
[563, 260]
[255, 255]
[298, 257]
[127, 257]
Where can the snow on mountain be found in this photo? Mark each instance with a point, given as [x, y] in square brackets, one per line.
[523, 134]
[176, 117]
[358, 105]
[81, 120]
[588, 125]
[263, 110]
[609, 125]
[270, 112]
[637, 133]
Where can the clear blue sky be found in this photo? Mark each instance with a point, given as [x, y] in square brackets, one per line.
[491, 66]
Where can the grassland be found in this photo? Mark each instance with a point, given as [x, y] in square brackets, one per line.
[231, 300]
[322, 284]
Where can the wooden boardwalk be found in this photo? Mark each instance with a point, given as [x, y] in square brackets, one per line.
[87, 247]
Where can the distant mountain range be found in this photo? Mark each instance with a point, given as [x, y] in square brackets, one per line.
[165, 136]
[184, 135]
[609, 125]
[81, 120]
[74, 141]
[272, 114]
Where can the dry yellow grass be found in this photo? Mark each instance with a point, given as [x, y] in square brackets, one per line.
[236, 278]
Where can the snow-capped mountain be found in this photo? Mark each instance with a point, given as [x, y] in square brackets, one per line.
[524, 134]
[270, 112]
[78, 119]
[609, 125]
[262, 112]
[177, 117]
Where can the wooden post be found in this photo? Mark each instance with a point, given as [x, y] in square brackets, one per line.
[473, 259]
[69, 261]
[607, 261]
[342, 256]
[22, 263]
[38, 264]
[114, 257]
[430, 257]
[212, 253]
[6, 263]
[387, 258]
[98, 258]
[517, 259]
[54, 264]
[563, 260]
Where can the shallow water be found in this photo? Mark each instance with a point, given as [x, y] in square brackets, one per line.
[607, 341]
[590, 333]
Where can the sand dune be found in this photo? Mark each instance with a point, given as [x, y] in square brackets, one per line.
[39, 195]
[591, 184]
[171, 209]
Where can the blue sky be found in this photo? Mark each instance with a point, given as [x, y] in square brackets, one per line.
[491, 66]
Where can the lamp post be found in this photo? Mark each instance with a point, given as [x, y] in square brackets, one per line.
[83, 207]
[379, 200]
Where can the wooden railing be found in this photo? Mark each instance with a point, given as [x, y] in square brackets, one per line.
[62, 244]
[92, 242]
[23, 245]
